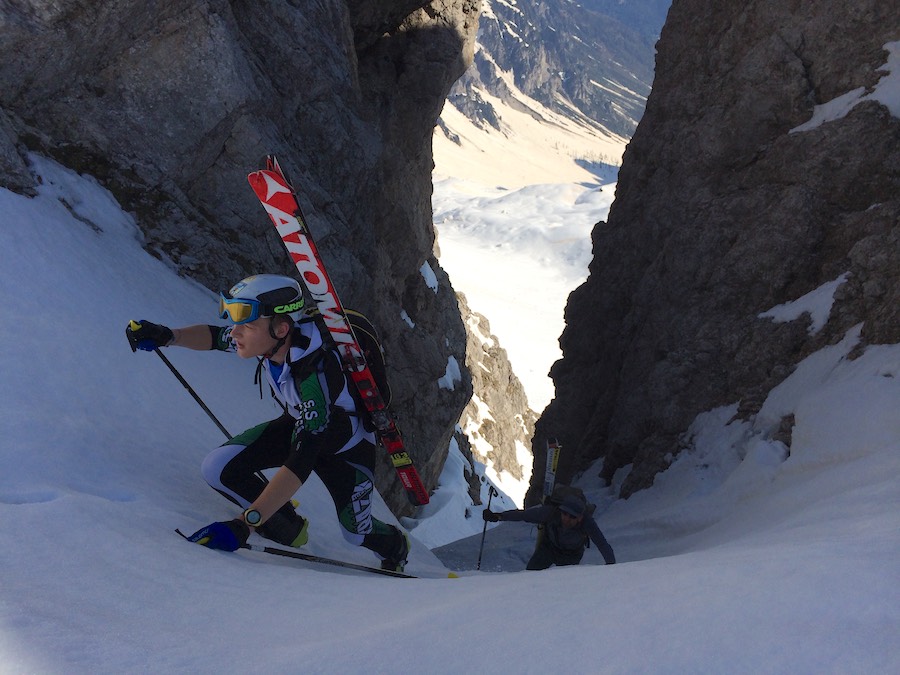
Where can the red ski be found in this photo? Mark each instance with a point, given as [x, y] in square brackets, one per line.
[281, 203]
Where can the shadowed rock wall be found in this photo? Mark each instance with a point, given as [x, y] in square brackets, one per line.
[721, 213]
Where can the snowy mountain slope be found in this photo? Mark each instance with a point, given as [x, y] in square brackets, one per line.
[526, 144]
[531, 176]
[531, 180]
[721, 570]
[552, 85]
[505, 127]
[518, 254]
[589, 61]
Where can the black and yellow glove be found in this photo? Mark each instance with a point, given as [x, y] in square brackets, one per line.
[147, 336]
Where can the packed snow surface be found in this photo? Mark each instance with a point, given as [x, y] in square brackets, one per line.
[746, 556]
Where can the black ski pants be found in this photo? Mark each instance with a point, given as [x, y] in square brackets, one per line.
[235, 470]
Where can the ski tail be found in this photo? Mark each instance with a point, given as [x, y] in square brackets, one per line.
[553, 451]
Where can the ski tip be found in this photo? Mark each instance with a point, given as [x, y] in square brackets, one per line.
[452, 575]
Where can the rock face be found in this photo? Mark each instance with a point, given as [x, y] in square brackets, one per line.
[725, 209]
[171, 104]
[497, 419]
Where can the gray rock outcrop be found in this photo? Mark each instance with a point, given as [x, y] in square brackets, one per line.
[498, 413]
[170, 105]
[724, 209]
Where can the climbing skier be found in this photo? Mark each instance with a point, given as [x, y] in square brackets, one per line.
[322, 429]
[565, 530]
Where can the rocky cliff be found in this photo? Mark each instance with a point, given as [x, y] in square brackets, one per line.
[497, 421]
[729, 204]
[170, 105]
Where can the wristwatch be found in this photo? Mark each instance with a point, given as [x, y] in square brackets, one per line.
[252, 517]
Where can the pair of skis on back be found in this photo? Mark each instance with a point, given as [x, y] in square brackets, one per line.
[280, 201]
[553, 450]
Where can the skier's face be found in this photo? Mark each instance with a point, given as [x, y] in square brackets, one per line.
[252, 339]
[568, 520]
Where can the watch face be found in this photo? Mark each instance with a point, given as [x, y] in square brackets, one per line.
[252, 517]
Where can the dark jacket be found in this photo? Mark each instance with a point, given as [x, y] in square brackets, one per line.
[571, 539]
[316, 392]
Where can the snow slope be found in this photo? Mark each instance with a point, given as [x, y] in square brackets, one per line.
[516, 255]
[739, 562]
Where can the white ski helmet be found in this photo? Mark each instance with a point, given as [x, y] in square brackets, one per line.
[262, 295]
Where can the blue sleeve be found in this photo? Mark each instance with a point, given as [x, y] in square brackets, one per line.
[534, 514]
[593, 530]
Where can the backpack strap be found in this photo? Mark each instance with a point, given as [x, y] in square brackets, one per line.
[309, 364]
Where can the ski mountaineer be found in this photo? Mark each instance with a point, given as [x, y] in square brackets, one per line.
[321, 430]
[564, 535]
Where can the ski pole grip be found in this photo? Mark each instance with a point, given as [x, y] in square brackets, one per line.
[132, 326]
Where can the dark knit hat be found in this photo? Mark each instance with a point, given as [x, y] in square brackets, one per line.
[573, 505]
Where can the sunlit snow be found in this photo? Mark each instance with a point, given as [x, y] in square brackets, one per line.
[748, 555]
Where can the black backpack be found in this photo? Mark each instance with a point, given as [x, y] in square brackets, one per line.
[370, 343]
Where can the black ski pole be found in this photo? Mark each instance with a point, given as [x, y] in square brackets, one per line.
[192, 392]
[491, 493]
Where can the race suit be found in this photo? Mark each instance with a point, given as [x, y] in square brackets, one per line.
[322, 430]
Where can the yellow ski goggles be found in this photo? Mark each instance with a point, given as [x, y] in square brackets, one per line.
[245, 310]
[238, 310]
